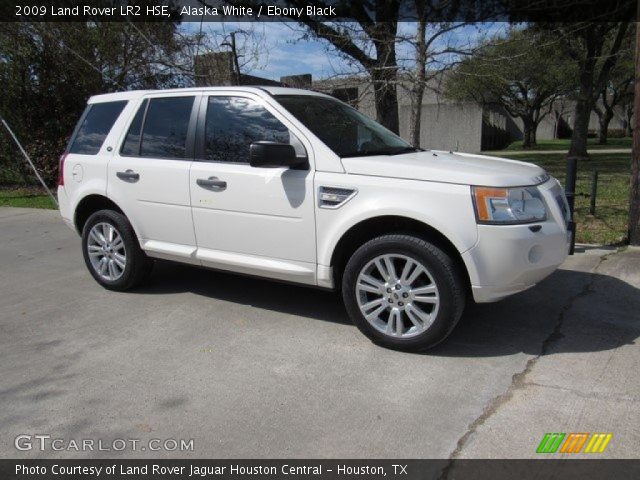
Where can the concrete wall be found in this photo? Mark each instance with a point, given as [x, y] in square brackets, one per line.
[446, 126]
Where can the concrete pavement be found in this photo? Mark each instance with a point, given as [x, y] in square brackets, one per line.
[249, 368]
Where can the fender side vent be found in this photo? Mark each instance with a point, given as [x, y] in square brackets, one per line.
[334, 197]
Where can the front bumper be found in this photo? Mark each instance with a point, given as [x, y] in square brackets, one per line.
[508, 259]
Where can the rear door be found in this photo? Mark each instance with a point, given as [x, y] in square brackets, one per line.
[252, 220]
[149, 174]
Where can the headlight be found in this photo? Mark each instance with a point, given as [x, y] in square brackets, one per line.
[508, 205]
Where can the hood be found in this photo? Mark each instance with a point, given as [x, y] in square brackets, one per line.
[447, 167]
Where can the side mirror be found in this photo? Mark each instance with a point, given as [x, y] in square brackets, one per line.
[273, 154]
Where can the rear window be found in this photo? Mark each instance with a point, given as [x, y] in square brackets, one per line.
[94, 127]
[159, 129]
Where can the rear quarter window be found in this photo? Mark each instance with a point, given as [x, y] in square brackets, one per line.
[94, 127]
[165, 127]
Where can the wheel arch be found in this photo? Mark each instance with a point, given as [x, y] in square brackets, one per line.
[90, 204]
[365, 230]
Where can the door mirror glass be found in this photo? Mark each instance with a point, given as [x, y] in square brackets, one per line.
[274, 154]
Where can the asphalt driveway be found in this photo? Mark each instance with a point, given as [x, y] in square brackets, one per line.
[249, 368]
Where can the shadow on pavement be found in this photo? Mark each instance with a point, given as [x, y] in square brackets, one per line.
[586, 311]
[168, 277]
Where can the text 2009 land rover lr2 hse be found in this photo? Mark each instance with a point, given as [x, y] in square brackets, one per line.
[296, 186]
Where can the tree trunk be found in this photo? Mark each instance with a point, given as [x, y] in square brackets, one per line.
[634, 194]
[529, 133]
[386, 99]
[417, 92]
[603, 127]
[578, 147]
[385, 76]
[415, 119]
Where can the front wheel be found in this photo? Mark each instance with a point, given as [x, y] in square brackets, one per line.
[112, 252]
[403, 292]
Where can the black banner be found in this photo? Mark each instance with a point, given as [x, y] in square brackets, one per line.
[562, 469]
[314, 10]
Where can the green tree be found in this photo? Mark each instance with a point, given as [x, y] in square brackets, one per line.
[521, 73]
[48, 71]
[618, 90]
[593, 49]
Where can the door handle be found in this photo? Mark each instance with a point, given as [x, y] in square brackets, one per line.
[128, 176]
[212, 183]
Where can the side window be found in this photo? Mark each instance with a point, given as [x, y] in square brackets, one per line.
[95, 127]
[164, 123]
[234, 123]
[131, 145]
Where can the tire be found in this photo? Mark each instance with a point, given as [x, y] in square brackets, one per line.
[124, 244]
[420, 314]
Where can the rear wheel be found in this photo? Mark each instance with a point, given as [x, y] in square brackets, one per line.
[112, 253]
[403, 292]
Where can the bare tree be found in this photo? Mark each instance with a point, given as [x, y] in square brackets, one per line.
[369, 40]
[244, 47]
[433, 50]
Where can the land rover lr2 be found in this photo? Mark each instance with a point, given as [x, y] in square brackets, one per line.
[297, 186]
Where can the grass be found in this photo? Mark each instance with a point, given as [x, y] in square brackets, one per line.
[28, 197]
[609, 224]
[563, 144]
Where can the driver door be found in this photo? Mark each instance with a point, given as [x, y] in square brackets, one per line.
[250, 219]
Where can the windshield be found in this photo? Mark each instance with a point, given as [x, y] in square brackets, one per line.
[342, 128]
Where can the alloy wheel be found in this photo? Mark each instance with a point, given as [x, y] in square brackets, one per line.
[397, 295]
[106, 250]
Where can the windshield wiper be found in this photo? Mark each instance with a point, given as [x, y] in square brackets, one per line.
[405, 150]
[387, 151]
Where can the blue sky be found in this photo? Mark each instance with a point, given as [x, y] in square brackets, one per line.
[283, 51]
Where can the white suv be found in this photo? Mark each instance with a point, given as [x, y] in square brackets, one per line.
[297, 186]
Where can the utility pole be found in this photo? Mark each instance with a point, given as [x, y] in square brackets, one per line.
[235, 65]
[234, 53]
[634, 194]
